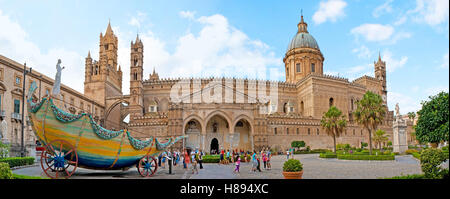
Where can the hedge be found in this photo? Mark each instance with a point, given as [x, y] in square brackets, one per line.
[366, 157]
[416, 155]
[17, 176]
[18, 161]
[5, 171]
[327, 155]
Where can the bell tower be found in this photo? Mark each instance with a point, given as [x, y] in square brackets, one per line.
[103, 78]
[136, 77]
[380, 74]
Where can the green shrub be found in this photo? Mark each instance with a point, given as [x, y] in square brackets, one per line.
[5, 171]
[430, 159]
[445, 148]
[411, 151]
[298, 144]
[407, 177]
[18, 161]
[327, 155]
[387, 153]
[358, 150]
[416, 155]
[364, 144]
[211, 159]
[366, 157]
[4, 150]
[292, 165]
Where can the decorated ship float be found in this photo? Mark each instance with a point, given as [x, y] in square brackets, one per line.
[73, 141]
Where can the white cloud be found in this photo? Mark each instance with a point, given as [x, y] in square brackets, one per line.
[363, 52]
[384, 8]
[379, 33]
[16, 44]
[374, 32]
[435, 90]
[432, 12]
[392, 63]
[330, 10]
[405, 102]
[401, 20]
[187, 14]
[137, 20]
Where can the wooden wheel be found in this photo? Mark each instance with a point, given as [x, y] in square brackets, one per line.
[147, 166]
[59, 160]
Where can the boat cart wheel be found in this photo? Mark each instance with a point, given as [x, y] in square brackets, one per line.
[147, 166]
[60, 159]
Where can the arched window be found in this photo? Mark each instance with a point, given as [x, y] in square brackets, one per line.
[309, 131]
[135, 61]
[302, 107]
[135, 76]
[331, 102]
[351, 102]
[287, 131]
[275, 130]
[298, 67]
[297, 131]
[313, 68]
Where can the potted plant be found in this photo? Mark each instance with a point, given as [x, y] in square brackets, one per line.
[292, 169]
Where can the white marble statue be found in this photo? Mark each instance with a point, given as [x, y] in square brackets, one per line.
[3, 129]
[397, 110]
[57, 85]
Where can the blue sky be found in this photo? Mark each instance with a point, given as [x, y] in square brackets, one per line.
[239, 38]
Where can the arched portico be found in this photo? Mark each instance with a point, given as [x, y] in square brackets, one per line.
[193, 128]
[218, 128]
[243, 131]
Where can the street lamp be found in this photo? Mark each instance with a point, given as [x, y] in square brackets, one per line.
[25, 72]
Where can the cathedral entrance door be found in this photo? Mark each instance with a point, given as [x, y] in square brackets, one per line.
[214, 146]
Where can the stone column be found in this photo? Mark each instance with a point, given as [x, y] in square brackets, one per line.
[203, 142]
[400, 142]
[231, 141]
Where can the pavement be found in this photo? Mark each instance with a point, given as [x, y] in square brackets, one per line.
[313, 166]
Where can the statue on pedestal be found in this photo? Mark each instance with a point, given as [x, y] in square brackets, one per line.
[57, 84]
[3, 130]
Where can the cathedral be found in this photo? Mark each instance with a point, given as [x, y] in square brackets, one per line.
[237, 121]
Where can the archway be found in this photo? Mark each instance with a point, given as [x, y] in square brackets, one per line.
[242, 139]
[193, 130]
[218, 127]
[214, 147]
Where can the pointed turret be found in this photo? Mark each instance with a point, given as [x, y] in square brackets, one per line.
[89, 55]
[109, 29]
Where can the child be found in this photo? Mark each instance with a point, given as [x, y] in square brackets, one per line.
[264, 157]
[238, 163]
[194, 163]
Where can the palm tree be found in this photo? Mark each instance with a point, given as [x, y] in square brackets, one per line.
[380, 138]
[334, 123]
[370, 113]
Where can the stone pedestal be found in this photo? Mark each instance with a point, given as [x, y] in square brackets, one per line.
[400, 142]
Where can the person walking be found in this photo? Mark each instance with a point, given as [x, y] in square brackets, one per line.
[254, 161]
[269, 155]
[164, 157]
[238, 163]
[159, 159]
[194, 163]
[258, 167]
[287, 154]
[200, 159]
[264, 157]
[186, 159]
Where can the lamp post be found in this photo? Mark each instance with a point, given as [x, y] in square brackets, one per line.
[25, 72]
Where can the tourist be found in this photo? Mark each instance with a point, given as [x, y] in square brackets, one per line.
[254, 161]
[221, 156]
[194, 162]
[200, 159]
[259, 163]
[292, 153]
[228, 157]
[269, 155]
[186, 158]
[264, 157]
[287, 154]
[159, 159]
[238, 163]
[164, 157]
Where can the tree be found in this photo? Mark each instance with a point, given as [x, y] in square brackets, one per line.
[298, 144]
[380, 137]
[432, 124]
[370, 113]
[411, 116]
[334, 123]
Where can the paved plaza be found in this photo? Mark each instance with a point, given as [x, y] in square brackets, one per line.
[314, 168]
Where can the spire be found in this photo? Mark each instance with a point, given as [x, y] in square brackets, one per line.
[153, 70]
[302, 26]
[108, 29]
[119, 68]
[89, 54]
[379, 56]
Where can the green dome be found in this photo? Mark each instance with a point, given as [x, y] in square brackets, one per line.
[303, 40]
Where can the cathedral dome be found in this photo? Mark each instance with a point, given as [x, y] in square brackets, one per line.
[303, 39]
